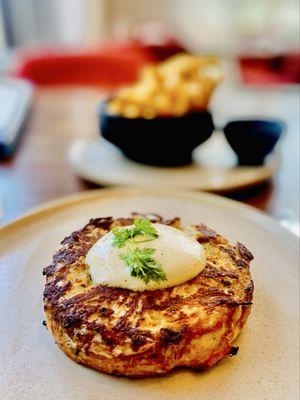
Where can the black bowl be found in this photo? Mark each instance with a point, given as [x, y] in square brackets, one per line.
[253, 140]
[162, 141]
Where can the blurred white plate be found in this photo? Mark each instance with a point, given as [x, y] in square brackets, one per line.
[214, 167]
[33, 367]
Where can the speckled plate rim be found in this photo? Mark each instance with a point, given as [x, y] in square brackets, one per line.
[58, 203]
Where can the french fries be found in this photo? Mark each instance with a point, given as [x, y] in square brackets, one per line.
[181, 84]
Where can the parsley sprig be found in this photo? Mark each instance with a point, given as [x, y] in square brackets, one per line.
[142, 226]
[140, 260]
[142, 264]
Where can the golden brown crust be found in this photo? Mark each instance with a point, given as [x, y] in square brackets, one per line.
[131, 333]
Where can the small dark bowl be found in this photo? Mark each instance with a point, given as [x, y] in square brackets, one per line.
[163, 141]
[253, 140]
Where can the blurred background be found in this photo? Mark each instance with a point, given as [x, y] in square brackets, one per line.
[225, 27]
[75, 52]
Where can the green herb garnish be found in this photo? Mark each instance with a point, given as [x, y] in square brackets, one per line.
[142, 264]
[142, 226]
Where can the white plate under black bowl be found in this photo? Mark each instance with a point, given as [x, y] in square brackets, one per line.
[33, 367]
[214, 168]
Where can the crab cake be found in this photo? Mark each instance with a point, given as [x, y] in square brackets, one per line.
[139, 333]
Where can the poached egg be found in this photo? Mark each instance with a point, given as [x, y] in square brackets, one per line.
[180, 256]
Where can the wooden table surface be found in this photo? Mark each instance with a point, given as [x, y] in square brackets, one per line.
[39, 170]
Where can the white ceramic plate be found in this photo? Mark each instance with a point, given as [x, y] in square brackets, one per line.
[33, 367]
[214, 167]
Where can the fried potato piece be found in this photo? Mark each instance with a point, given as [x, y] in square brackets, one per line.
[179, 85]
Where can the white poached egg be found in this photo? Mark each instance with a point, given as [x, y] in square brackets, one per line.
[180, 256]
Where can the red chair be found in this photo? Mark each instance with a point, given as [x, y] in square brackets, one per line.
[103, 68]
[111, 66]
[268, 70]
